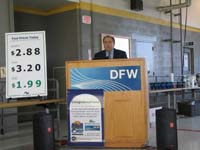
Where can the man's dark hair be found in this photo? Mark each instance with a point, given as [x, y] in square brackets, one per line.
[109, 36]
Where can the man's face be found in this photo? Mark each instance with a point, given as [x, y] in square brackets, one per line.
[108, 44]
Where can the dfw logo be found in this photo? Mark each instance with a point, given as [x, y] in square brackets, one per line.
[118, 78]
[128, 77]
[123, 73]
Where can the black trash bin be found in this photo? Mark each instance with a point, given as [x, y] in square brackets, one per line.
[166, 129]
[43, 132]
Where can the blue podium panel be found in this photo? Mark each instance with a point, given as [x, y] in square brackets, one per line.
[85, 117]
[120, 78]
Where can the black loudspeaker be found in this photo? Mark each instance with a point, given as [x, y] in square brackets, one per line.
[43, 132]
[166, 129]
[137, 5]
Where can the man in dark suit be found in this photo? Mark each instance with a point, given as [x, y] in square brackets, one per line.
[110, 52]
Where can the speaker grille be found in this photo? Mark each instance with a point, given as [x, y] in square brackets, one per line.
[166, 129]
[43, 132]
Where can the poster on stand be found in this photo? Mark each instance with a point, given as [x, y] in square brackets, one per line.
[85, 117]
[26, 68]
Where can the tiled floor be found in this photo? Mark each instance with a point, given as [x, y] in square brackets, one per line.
[188, 136]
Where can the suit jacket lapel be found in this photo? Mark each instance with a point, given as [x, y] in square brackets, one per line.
[114, 53]
[104, 54]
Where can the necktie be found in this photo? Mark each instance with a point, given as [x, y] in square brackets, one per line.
[109, 55]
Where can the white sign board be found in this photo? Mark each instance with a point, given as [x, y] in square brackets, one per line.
[85, 110]
[26, 74]
[85, 124]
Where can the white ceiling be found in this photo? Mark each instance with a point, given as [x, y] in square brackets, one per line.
[41, 4]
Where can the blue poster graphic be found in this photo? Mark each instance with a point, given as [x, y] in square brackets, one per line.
[123, 78]
[85, 117]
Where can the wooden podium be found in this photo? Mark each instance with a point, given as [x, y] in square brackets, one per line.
[125, 111]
